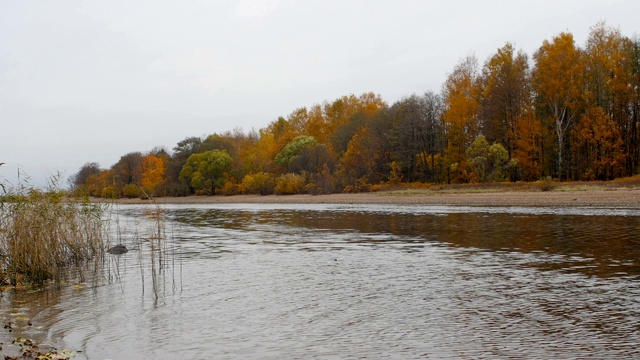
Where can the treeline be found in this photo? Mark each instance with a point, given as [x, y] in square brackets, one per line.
[570, 113]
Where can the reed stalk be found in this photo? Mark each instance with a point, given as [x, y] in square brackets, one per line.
[42, 235]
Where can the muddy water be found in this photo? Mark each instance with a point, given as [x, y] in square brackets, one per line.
[372, 281]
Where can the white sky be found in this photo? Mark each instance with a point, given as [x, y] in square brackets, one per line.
[84, 81]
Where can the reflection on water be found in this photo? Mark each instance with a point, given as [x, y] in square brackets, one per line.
[602, 242]
[292, 281]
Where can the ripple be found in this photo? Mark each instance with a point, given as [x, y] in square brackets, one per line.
[353, 281]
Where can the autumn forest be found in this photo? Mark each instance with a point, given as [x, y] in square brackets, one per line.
[567, 112]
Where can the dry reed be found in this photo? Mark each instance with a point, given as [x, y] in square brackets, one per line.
[42, 235]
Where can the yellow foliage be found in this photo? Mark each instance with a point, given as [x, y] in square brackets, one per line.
[290, 184]
[131, 191]
[260, 183]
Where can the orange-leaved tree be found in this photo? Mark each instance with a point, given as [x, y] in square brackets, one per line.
[461, 95]
[529, 147]
[600, 145]
[153, 173]
[558, 81]
[609, 86]
[505, 95]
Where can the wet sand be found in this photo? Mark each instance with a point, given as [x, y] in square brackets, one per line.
[614, 197]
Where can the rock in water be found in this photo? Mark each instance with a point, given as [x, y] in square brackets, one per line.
[118, 249]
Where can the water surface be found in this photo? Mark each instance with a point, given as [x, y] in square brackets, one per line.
[266, 281]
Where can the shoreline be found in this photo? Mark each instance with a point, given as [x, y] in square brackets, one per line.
[613, 197]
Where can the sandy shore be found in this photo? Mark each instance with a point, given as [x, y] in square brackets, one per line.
[615, 197]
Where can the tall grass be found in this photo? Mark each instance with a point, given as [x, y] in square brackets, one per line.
[42, 235]
[161, 260]
[46, 237]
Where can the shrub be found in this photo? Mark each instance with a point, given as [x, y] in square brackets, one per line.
[311, 188]
[290, 184]
[380, 187]
[109, 192]
[260, 183]
[131, 191]
[146, 193]
[360, 185]
[545, 184]
[229, 188]
[178, 189]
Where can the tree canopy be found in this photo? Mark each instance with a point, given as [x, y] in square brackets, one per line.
[572, 113]
[206, 171]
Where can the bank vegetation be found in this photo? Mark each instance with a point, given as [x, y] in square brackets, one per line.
[565, 113]
[43, 236]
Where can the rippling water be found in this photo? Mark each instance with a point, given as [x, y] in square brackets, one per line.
[362, 281]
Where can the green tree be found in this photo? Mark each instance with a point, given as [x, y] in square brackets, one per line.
[294, 149]
[499, 162]
[487, 162]
[181, 152]
[206, 171]
[478, 158]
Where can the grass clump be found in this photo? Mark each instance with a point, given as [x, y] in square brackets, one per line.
[42, 235]
[545, 184]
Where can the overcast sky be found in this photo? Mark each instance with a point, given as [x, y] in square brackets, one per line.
[85, 81]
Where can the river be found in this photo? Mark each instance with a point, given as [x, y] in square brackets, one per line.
[263, 281]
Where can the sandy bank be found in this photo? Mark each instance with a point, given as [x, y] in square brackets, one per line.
[615, 197]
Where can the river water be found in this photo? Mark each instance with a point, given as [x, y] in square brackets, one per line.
[259, 281]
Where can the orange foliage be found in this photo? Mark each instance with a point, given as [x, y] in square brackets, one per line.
[462, 107]
[153, 171]
[601, 144]
[558, 81]
[573, 115]
[529, 147]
